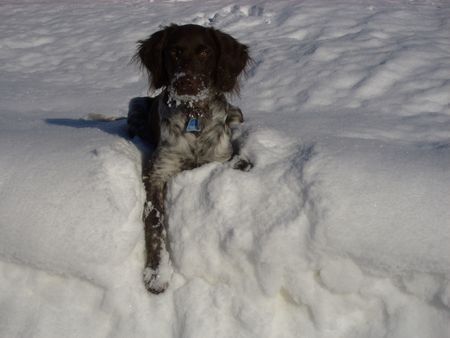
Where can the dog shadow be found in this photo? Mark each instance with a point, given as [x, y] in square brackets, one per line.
[113, 126]
[116, 127]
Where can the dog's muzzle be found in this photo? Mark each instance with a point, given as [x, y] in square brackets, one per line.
[188, 84]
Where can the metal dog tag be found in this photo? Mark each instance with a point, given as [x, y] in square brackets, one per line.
[193, 125]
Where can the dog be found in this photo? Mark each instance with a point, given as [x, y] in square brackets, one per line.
[189, 122]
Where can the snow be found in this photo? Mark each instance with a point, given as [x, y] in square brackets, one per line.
[340, 229]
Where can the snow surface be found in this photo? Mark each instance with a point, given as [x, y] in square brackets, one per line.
[341, 229]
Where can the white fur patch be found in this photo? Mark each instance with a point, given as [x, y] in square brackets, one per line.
[158, 279]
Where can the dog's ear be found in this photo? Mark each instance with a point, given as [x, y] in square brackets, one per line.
[150, 55]
[232, 59]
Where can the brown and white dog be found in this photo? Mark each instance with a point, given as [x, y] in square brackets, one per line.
[189, 122]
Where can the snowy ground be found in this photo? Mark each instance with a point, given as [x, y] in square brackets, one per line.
[340, 230]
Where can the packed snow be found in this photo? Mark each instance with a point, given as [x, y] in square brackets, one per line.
[341, 228]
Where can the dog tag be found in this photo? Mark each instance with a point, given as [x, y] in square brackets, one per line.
[193, 125]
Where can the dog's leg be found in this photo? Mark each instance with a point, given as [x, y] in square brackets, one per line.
[155, 278]
[233, 121]
[238, 160]
[158, 269]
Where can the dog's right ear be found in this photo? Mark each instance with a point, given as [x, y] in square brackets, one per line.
[232, 60]
[150, 55]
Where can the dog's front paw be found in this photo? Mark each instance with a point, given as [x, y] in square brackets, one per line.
[157, 280]
[154, 281]
[242, 164]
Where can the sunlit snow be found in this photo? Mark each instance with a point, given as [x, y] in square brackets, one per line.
[341, 228]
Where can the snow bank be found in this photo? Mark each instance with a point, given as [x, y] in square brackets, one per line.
[339, 230]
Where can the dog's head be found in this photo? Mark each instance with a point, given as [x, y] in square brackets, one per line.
[192, 58]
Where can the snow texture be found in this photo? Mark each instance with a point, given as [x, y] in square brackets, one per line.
[341, 228]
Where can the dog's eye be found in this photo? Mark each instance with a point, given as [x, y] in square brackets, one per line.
[175, 52]
[203, 52]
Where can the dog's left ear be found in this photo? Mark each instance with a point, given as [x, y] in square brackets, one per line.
[233, 57]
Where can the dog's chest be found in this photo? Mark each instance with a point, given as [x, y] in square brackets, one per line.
[210, 141]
